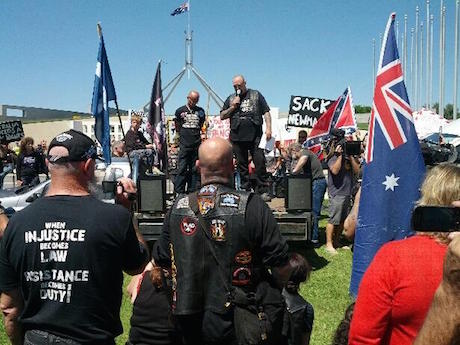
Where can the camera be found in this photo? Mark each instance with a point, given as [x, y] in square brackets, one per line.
[350, 148]
[436, 219]
[109, 186]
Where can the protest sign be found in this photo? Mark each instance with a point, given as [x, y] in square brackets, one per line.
[304, 111]
[11, 131]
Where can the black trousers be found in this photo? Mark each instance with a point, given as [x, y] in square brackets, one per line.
[207, 328]
[241, 150]
[187, 173]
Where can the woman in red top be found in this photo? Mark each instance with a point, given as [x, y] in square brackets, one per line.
[397, 288]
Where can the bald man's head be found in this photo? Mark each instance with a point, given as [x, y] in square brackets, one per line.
[192, 98]
[215, 160]
[239, 83]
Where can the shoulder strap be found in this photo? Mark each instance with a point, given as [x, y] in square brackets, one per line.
[193, 203]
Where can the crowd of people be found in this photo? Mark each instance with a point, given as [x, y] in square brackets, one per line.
[220, 272]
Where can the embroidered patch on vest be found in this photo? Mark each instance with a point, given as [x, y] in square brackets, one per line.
[209, 189]
[244, 257]
[183, 203]
[229, 200]
[205, 204]
[218, 229]
[241, 276]
[188, 226]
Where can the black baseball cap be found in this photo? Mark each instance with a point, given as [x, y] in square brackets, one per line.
[80, 147]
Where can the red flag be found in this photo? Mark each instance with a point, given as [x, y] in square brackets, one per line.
[339, 114]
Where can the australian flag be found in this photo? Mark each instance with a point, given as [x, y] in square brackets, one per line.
[394, 166]
[181, 9]
[339, 114]
[103, 92]
[156, 125]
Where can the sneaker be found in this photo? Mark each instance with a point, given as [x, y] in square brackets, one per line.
[266, 197]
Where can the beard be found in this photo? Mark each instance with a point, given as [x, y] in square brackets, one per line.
[95, 189]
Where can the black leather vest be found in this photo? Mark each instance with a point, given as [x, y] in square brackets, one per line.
[249, 107]
[198, 279]
[294, 325]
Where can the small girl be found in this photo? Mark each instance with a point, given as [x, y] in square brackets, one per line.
[298, 322]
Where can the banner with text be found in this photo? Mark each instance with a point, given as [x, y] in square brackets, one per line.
[305, 111]
[11, 131]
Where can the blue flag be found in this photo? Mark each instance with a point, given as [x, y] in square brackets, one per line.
[394, 167]
[103, 92]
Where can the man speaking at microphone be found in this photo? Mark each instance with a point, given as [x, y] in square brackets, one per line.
[247, 110]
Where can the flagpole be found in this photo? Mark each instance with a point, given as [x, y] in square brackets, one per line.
[405, 47]
[412, 83]
[441, 95]
[421, 66]
[416, 57]
[428, 43]
[456, 61]
[431, 59]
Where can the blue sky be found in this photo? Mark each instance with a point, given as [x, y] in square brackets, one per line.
[293, 47]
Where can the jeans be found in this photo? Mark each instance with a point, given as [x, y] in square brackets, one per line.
[38, 337]
[187, 173]
[147, 155]
[319, 189]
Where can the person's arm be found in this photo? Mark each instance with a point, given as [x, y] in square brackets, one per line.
[354, 165]
[19, 169]
[144, 140]
[11, 305]
[337, 164]
[300, 164]
[129, 141]
[267, 237]
[372, 312]
[230, 107]
[350, 223]
[161, 253]
[268, 125]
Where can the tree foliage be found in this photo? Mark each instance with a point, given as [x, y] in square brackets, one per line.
[362, 109]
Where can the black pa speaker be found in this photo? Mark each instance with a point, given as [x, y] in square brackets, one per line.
[151, 193]
[299, 193]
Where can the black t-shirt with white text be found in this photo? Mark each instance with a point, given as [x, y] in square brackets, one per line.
[66, 255]
[189, 123]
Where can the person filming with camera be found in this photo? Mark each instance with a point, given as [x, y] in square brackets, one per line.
[342, 166]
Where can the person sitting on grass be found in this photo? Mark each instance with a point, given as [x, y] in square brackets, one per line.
[298, 321]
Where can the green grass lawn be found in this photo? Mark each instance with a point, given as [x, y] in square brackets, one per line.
[327, 291]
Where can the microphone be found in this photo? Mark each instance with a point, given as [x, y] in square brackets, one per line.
[238, 92]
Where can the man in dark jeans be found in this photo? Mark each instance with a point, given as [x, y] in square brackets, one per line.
[247, 110]
[188, 119]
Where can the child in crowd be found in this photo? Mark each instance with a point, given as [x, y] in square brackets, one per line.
[152, 322]
[298, 322]
[341, 333]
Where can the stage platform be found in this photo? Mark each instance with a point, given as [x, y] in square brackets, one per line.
[295, 226]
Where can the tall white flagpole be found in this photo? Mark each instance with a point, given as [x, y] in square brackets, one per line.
[456, 60]
[428, 42]
[416, 58]
[441, 71]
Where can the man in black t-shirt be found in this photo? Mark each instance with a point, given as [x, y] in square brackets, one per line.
[247, 110]
[246, 241]
[62, 258]
[188, 120]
